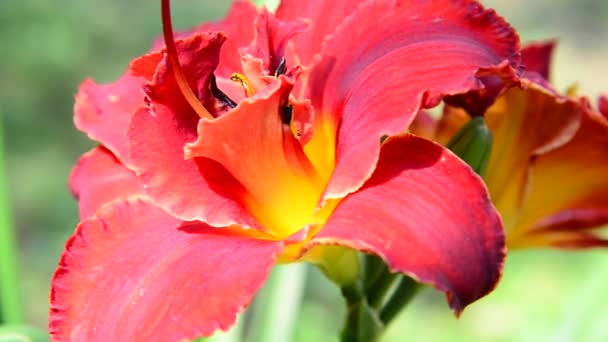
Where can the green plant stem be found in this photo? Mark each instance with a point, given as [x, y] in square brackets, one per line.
[281, 303]
[373, 268]
[11, 310]
[378, 291]
[403, 294]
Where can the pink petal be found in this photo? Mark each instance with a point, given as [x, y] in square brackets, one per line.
[323, 18]
[392, 58]
[427, 215]
[100, 178]
[104, 111]
[132, 275]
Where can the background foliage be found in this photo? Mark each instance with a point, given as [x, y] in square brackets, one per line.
[49, 47]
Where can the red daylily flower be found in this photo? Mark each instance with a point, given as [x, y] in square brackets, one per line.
[201, 183]
[548, 167]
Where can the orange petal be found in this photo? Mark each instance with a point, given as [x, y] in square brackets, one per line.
[254, 144]
[568, 190]
[524, 123]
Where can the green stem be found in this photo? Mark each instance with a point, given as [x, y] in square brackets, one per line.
[282, 302]
[373, 268]
[403, 294]
[362, 323]
[11, 310]
[380, 287]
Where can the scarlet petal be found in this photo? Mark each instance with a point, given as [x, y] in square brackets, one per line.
[104, 111]
[428, 215]
[100, 178]
[198, 57]
[237, 26]
[379, 73]
[133, 275]
[537, 58]
[323, 18]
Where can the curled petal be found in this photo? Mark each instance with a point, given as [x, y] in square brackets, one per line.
[427, 214]
[198, 57]
[271, 38]
[132, 275]
[100, 178]
[104, 111]
[237, 26]
[322, 17]
[282, 187]
[375, 86]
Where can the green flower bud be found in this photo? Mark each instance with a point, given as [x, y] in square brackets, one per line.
[473, 144]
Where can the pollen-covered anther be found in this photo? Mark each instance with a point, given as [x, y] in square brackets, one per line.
[244, 81]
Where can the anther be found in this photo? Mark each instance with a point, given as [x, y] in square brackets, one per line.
[247, 86]
[281, 68]
[220, 95]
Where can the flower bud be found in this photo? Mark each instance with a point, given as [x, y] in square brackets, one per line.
[473, 144]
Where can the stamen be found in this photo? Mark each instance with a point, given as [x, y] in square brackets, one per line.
[247, 86]
[281, 68]
[220, 95]
[182, 83]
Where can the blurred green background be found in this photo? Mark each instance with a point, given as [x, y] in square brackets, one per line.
[49, 47]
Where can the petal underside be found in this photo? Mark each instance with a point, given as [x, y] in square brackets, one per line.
[428, 215]
[104, 111]
[132, 274]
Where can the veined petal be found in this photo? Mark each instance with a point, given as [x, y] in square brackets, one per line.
[132, 275]
[104, 111]
[525, 123]
[568, 186]
[100, 178]
[237, 27]
[377, 74]
[322, 17]
[254, 144]
[428, 215]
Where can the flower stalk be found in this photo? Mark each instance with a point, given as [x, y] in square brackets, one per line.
[11, 310]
